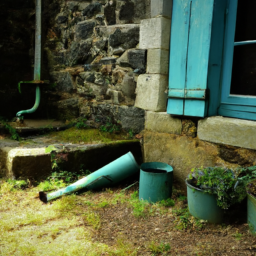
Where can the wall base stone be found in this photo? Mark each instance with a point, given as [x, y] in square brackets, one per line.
[162, 122]
[184, 153]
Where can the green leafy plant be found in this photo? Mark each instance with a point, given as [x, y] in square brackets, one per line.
[227, 184]
[157, 248]
[184, 220]
[18, 184]
[130, 133]
[11, 130]
[237, 235]
[167, 203]
[111, 127]
[81, 123]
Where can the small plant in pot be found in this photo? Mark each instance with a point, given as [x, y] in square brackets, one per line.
[213, 190]
[251, 204]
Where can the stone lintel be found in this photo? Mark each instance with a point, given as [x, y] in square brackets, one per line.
[229, 131]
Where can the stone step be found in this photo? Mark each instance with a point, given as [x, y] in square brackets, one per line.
[19, 161]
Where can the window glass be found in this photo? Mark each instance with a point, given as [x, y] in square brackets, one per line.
[244, 70]
[244, 60]
[246, 21]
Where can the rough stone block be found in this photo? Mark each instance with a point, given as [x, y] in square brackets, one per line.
[131, 118]
[155, 33]
[161, 7]
[84, 29]
[92, 9]
[230, 131]
[162, 122]
[151, 92]
[134, 58]
[64, 81]
[158, 61]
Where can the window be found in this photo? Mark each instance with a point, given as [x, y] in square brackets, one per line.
[213, 58]
[238, 83]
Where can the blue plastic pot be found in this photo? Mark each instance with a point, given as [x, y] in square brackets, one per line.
[203, 205]
[155, 182]
[251, 211]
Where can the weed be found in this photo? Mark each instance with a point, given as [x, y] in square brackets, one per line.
[157, 248]
[81, 123]
[184, 220]
[130, 133]
[18, 184]
[92, 219]
[182, 198]
[111, 127]
[237, 235]
[139, 207]
[125, 248]
[51, 185]
[12, 131]
[167, 203]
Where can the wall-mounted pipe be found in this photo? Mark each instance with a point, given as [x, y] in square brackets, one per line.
[116, 171]
[37, 62]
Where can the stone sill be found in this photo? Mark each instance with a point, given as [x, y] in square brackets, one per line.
[228, 131]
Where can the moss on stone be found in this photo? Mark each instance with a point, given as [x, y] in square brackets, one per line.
[87, 136]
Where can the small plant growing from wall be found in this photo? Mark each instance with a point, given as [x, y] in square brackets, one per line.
[11, 130]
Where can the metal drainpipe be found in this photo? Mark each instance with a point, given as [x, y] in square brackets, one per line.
[37, 62]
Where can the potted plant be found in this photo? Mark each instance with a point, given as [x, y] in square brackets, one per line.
[251, 204]
[213, 190]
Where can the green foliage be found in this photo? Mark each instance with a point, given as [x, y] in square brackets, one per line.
[50, 148]
[49, 185]
[237, 235]
[110, 126]
[81, 123]
[130, 133]
[12, 131]
[157, 248]
[167, 203]
[184, 220]
[18, 184]
[139, 207]
[228, 185]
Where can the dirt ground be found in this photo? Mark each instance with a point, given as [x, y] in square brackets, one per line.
[113, 222]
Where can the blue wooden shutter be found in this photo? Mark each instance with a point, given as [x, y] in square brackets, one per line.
[189, 56]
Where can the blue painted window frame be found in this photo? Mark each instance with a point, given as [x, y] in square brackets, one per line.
[238, 106]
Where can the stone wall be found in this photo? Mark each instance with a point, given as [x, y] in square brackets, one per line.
[91, 56]
[94, 61]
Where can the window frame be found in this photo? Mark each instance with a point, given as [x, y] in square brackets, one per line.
[231, 105]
